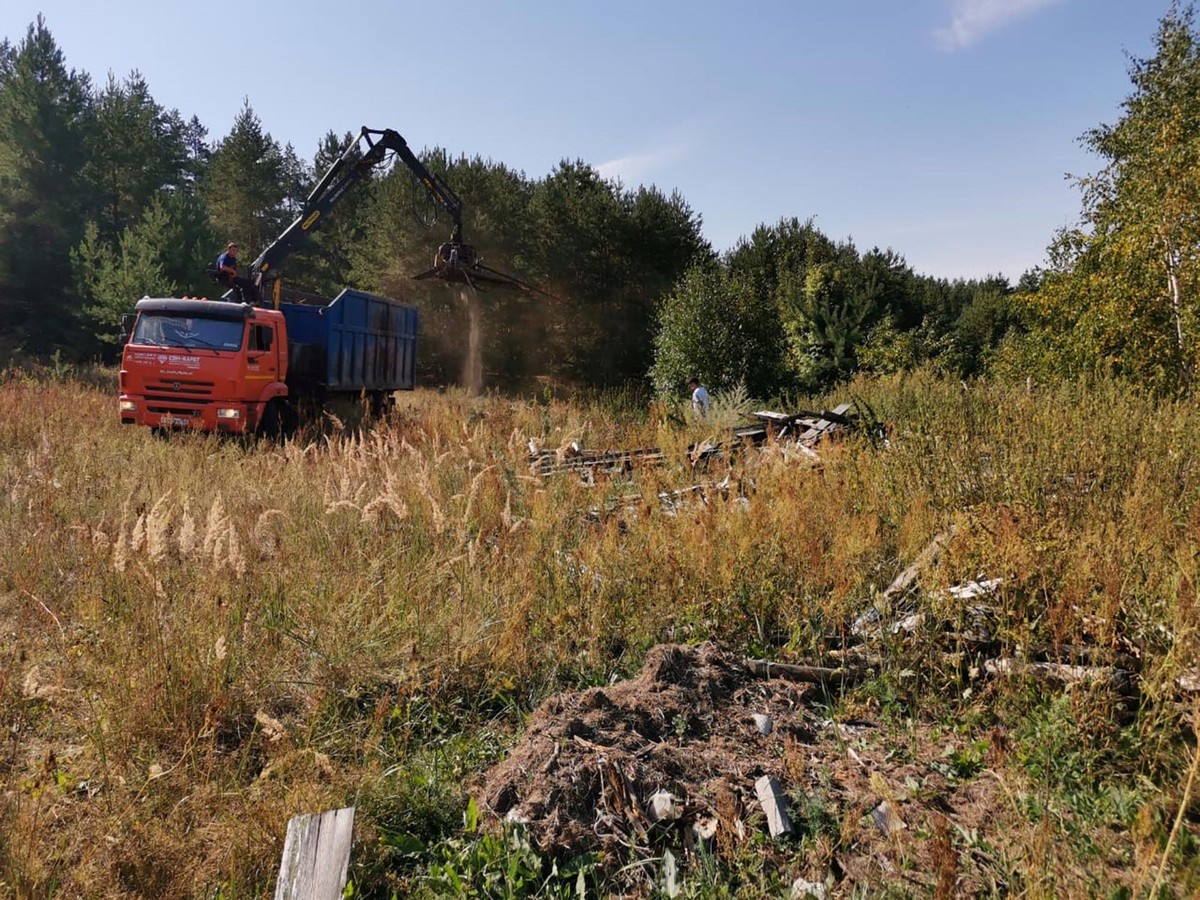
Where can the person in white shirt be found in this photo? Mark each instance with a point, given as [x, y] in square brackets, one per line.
[699, 397]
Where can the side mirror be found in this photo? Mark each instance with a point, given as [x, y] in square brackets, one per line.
[127, 321]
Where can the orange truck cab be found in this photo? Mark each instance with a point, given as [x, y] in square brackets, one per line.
[232, 367]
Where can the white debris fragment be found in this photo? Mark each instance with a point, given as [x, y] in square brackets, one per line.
[663, 807]
[973, 589]
[909, 623]
[886, 819]
[803, 889]
[705, 828]
[774, 804]
[764, 723]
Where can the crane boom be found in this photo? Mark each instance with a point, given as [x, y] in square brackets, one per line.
[454, 261]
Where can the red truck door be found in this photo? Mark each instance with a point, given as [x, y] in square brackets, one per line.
[262, 355]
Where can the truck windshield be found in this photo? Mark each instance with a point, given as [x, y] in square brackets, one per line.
[164, 330]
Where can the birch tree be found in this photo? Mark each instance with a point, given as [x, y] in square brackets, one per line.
[1122, 290]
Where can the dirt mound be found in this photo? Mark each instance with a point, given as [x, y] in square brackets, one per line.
[591, 764]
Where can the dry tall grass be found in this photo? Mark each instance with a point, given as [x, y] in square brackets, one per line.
[199, 638]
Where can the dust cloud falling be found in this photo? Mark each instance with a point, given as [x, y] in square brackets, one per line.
[472, 376]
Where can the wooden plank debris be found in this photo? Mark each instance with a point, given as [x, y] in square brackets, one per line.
[1060, 672]
[810, 674]
[904, 582]
[774, 805]
[926, 558]
[802, 429]
[316, 855]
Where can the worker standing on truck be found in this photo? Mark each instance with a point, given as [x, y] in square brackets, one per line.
[227, 274]
[699, 397]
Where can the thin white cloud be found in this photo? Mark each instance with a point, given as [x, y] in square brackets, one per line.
[972, 20]
[635, 167]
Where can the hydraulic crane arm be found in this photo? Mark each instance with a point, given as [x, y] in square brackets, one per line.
[454, 262]
[346, 171]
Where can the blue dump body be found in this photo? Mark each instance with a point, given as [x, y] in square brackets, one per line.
[358, 342]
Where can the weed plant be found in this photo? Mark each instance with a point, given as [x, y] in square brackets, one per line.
[201, 637]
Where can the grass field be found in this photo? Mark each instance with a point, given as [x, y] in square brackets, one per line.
[200, 638]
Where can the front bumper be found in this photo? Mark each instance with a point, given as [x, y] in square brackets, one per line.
[135, 410]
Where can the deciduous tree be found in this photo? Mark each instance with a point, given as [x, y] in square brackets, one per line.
[1122, 291]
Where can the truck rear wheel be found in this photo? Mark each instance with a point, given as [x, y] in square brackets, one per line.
[382, 403]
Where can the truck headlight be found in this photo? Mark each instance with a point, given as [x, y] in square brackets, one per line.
[231, 413]
[128, 406]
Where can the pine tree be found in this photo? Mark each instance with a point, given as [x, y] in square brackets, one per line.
[138, 149]
[45, 116]
[115, 277]
[250, 185]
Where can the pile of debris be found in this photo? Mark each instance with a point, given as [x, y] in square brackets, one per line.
[696, 755]
[806, 428]
[974, 636]
[801, 429]
[705, 750]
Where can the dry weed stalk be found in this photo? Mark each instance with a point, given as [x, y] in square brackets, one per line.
[137, 540]
[234, 558]
[265, 536]
[378, 510]
[187, 537]
[158, 530]
[216, 530]
[120, 554]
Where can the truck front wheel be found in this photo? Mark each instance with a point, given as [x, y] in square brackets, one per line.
[279, 420]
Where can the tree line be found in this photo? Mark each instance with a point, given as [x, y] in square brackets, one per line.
[107, 196]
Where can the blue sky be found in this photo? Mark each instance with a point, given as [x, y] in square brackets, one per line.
[940, 128]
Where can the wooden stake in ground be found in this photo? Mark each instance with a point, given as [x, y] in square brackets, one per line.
[316, 855]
